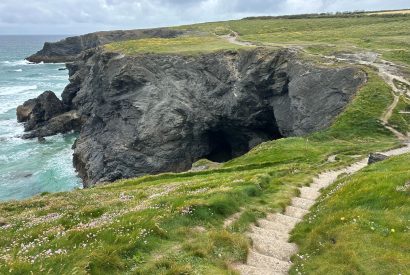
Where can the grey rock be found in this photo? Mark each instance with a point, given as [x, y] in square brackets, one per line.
[24, 111]
[3, 222]
[68, 49]
[35, 112]
[63, 123]
[376, 157]
[46, 116]
[148, 114]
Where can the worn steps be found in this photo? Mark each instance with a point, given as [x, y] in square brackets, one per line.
[302, 203]
[260, 260]
[271, 251]
[251, 270]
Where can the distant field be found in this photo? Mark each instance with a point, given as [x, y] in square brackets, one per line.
[389, 36]
[391, 12]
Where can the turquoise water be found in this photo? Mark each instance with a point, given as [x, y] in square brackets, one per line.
[26, 166]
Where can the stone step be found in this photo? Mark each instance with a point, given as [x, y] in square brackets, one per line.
[283, 219]
[251, 270]
[309, 193]
[272, 247]
[275, 226]
[318, 187]
[295, 212]
[302, 203]
[259, 260]
[324, 179]
[280, 235]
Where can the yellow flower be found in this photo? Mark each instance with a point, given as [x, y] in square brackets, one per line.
[392, 230]
[342, 218]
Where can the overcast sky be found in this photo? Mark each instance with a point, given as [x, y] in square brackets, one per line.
[82, 16]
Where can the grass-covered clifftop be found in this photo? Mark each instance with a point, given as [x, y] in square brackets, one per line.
[177, 223]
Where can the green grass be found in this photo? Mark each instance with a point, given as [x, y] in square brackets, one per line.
[179, 45]
[173, 223]
[361, 224]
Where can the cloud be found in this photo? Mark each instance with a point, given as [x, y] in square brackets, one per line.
[80, 16]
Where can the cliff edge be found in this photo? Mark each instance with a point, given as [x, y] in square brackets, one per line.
[153, 113]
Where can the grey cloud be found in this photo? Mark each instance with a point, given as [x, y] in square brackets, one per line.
[79, 16]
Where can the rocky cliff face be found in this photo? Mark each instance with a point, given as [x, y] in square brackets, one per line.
[149, 113]
[69, 49]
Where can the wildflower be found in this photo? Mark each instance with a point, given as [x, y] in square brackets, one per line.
[392, 230]
[372, 228]
[342, 218]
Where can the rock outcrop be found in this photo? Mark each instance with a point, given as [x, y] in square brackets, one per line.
[150, 113]
[69, 48]
[46, 115]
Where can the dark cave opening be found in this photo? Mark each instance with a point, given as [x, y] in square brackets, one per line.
[231, 139]
[220, 148]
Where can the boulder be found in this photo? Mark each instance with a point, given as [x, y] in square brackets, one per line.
[35, 112]
[376, 157]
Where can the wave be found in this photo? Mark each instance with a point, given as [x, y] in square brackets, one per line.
[19, 63]
[17, 89]
[18, 70]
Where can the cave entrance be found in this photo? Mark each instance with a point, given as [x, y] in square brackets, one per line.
[220, 148]
[231, 138]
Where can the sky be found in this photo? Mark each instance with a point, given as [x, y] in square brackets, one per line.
[83, 16]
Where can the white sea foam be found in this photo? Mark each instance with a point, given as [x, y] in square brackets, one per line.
[19, 63]
[18, 70]
[15, 90]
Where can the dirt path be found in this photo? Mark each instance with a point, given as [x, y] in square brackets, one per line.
[270, 253]
[390, 73]
[233, 38]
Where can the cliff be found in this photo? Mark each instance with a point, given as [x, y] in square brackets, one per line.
[153, 113]
[68, 49]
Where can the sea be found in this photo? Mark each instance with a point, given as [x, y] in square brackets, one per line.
[27, 167]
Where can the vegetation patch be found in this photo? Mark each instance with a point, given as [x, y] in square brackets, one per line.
[178, 45]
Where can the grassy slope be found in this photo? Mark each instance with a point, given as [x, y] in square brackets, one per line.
[172, 223]
[361, 224]
[389, 36]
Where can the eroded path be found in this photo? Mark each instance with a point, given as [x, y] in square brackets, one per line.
[391, 73]
[233, 38]
[271, 251]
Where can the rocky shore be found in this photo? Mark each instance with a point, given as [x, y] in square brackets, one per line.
[149, 113]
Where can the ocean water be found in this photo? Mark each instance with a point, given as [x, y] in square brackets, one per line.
[26, 166]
